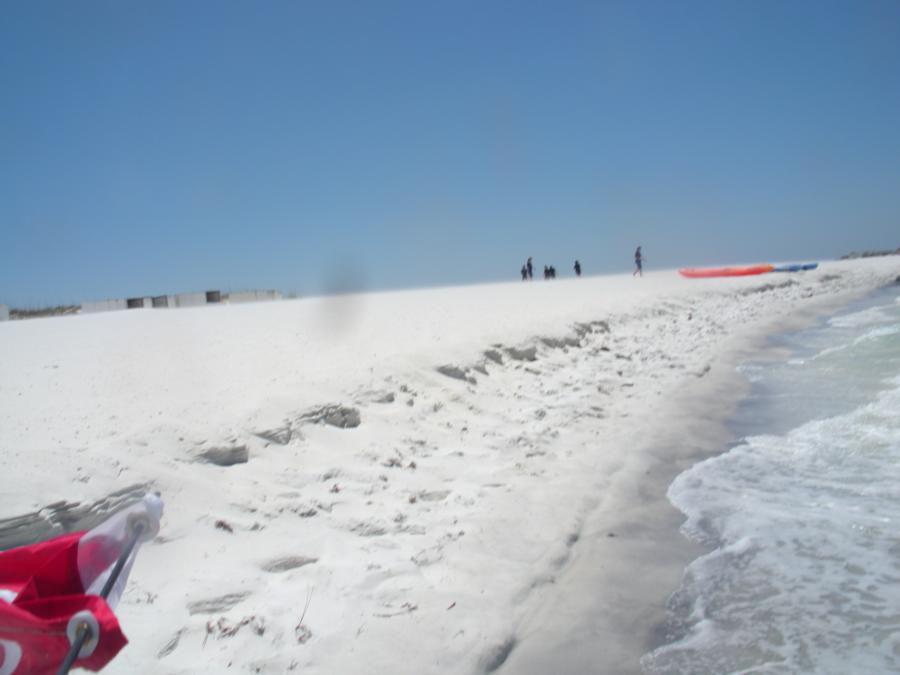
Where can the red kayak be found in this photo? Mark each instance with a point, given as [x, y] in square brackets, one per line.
[706, 272]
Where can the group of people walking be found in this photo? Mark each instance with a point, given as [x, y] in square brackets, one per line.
[550, 270]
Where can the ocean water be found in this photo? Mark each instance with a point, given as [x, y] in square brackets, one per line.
[802, 518]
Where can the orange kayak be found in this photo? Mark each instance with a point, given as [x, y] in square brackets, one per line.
[706, 272]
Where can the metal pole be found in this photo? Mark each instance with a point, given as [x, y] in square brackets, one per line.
[84, 630]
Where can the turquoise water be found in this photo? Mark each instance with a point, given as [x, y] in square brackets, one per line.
[802, 518]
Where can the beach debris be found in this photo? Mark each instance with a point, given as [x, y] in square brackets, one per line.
[223, 628]
[302, 632]
[375, 396]
[288, 563]
[584, 329]
[223, 525]
[525, 354]
[335, 488]
[279, 436]
[765, 288]
[368, 529]
[434, 495]
[225, 456]
[221, 603]
[494, 355]
[452, 605]
[171, 645]
[392, 462]
[560, 343]
[405, 608]
[456, 373]
[340, 416]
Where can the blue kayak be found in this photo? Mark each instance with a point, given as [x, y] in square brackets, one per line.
[795, 267]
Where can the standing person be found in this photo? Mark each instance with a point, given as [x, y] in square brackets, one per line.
[546, 272]
[577, 269]
[524, 273]
[638, 262]
[530, 271]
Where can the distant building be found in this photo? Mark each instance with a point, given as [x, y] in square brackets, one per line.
[138, 303]
[197, 299]
[4, 313]
[253, 296]
[179, 300]
[102, 306]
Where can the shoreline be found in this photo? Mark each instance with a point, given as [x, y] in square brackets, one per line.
[632, 577]
[766, 508]
[497, 433]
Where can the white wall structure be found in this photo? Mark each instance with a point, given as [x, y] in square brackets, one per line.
[4, 313]
[103, 306]
[159, 301]
[190, 299]
[253, 296]
[178, 300]
[138, 303]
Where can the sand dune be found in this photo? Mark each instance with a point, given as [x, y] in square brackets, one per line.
[459, 480]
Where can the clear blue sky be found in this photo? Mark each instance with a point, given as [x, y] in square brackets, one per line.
[166, 146]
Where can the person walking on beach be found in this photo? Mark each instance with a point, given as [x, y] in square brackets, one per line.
[577, 269]
[524, 273]
[638, 262]
[530, 271]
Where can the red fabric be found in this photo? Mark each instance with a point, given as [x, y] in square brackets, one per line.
[48, 582]
[19, 566]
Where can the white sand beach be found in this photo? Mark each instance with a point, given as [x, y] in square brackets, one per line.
[448, 480]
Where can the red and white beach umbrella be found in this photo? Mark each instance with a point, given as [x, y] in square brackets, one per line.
[60, 592]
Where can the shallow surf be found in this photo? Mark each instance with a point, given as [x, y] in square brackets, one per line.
[800, 518]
